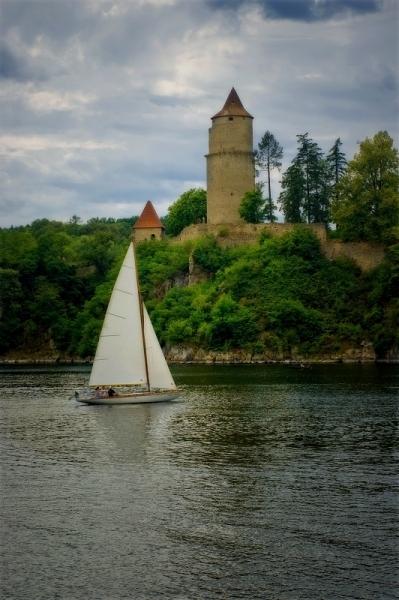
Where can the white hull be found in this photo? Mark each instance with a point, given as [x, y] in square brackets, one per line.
[138, 398]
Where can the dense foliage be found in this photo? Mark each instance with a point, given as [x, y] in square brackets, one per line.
[48, 272]
[252, 207]
[366, 206]
[278, 295]
[189, 208]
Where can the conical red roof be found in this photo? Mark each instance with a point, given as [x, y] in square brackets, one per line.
[148, 218]
[233, 107]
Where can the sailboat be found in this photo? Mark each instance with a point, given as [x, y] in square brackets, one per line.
[128, 356]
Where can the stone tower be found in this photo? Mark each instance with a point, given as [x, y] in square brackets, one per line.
[230, 162]
[148, 226]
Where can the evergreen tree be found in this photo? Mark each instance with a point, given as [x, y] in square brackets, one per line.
[293, 193]
[268, 157]
[310, 159]
[337, 162]
[305, 195]
[320, 193]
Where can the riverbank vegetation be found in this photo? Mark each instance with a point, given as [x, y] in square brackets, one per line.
[280, 295]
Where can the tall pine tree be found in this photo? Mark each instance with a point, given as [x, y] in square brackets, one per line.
[293, 193]
[337, 162]
[268, 156]
[305, 195]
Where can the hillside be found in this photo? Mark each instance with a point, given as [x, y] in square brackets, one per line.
[278, 299]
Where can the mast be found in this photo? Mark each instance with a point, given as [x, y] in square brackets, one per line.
[141, 319]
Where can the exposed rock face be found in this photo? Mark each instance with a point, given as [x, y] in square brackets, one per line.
[187, 354]
[195, 273]
[181, 280]
[392, 355]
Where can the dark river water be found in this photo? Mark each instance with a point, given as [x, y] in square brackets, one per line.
[261, 482]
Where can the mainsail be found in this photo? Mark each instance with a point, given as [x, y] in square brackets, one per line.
[120, 357]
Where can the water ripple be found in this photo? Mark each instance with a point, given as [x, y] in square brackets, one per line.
[260, 483]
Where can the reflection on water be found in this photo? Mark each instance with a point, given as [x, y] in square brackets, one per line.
[260, 482]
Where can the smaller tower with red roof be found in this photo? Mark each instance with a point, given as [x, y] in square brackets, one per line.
[148, 226]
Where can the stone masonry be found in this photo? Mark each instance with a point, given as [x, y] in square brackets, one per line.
[230, 162]
[366, 255]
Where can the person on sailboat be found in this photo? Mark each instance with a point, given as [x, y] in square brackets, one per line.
[111, 392]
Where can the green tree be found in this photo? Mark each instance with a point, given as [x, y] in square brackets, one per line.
[292, 193]
[252, 207]
[337, 162]
[99, 250]
[367, 206]
[189, 208]
[11, 299]
[305, 186]
[208, 254]
[160, 264]
[268, 156]
[231, 325]
[315, 172]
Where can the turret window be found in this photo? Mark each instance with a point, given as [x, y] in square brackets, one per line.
[231, 118]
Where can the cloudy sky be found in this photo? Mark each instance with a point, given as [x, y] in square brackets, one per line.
[105, 104]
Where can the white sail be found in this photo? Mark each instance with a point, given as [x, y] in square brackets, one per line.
[119, 357]
[158, 370]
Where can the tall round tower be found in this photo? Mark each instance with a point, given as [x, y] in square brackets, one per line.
[230, 162]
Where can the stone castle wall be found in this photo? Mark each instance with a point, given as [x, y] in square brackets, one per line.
[366, 255]
[147, 233]
[231, 234]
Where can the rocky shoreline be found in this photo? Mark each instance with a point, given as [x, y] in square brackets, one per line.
[200, 357]
[288, 362]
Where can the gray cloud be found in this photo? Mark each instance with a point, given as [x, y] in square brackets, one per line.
[10, 66]
[107, 104]
[15, 66]
[303, 10]
[59, 20]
